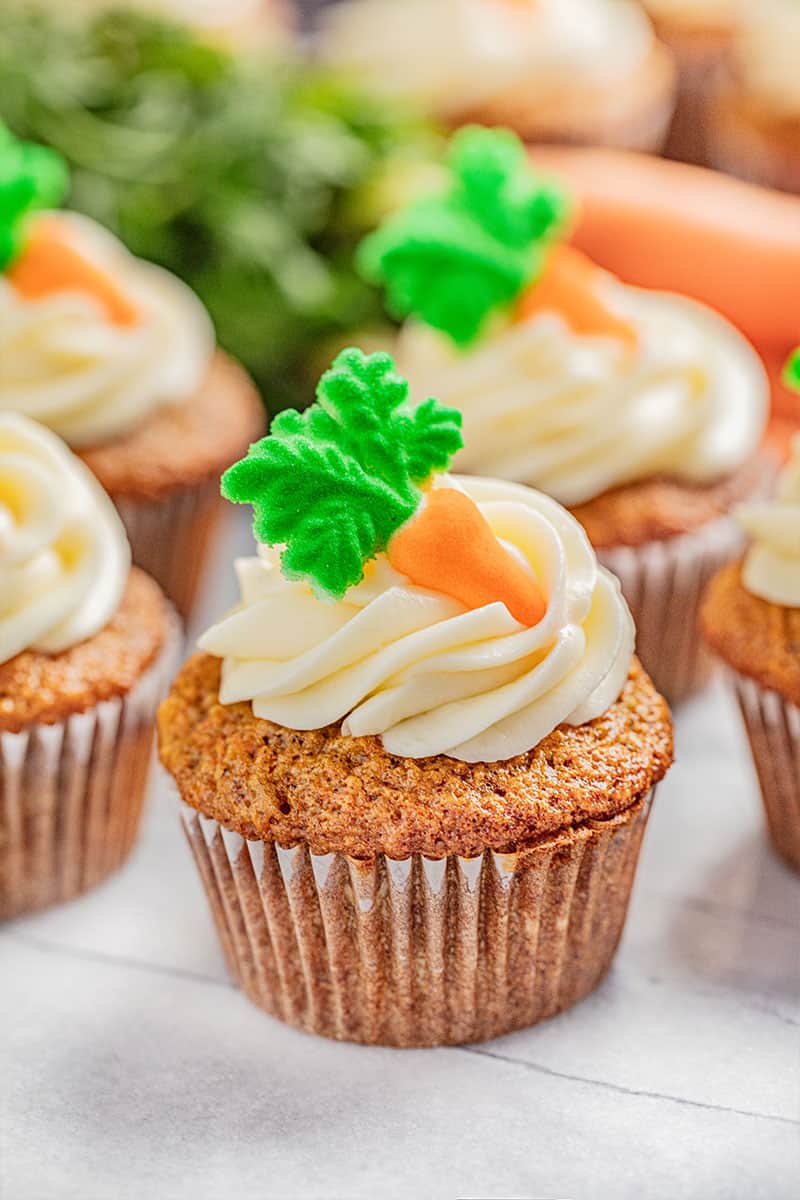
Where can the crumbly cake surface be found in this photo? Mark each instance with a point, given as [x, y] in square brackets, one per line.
[347, 795]
[652, 509]
[756, 638]
[184, 444]
[47, 688]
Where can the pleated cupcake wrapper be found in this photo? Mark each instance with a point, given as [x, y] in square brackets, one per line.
[699, 71]
[663, 582]
[742, 149]
[773, 728]
[71, 793]
[170, 537]
[419, 952]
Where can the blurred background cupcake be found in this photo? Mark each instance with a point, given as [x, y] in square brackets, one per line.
[751, 617]
[553, 70]
[700, 34]
[641, 411]
[757, 123]
[117, 357]
[418, 757]
[86, 648]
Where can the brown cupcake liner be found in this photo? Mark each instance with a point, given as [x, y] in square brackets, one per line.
[773, 729]
[701, 68]
[741, 148]
[170, 537]
[419, 952]
[71, 793]
[663, 582]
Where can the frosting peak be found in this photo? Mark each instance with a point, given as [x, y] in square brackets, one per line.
[416, 667]
[64, 556]
[92, 364]
[772, 565]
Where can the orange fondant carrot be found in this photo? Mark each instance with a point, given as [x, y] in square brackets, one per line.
[568, 285]
[666, 225]
[51, 263]
[448, 546]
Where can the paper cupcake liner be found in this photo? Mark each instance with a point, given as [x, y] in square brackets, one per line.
[71, 793]
[419, 952]
[700, 70]
[773, 728]
[741, 148]
[663, 582]
[170, 537]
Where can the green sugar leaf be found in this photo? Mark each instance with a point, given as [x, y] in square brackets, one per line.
[333, 484]
[453, 259]
[791, 371]
[31, 178]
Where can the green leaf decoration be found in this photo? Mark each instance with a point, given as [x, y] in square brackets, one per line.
[791, 371]
[31, 177]
[333, 484]
[453, 259]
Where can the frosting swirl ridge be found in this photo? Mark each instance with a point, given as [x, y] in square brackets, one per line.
[65, 363]
[772, 564]
[64, 556]
[416, 667]
[578, 414]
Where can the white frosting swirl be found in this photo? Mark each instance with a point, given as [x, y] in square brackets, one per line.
[453, 55]
[767, 53]
[576, 415]
[417, 668]
[64, 556]
[65, 363]
[772, 565]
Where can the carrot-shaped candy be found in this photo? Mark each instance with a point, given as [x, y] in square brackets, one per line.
[455, 258]
[343, 482]
[569, 285]
[37, 254]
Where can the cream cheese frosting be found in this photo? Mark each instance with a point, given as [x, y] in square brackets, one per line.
[65, 364]
[64, 556]
[578, 414]
[418, 669]
[694, 14]
[452, 55]
[772, 564]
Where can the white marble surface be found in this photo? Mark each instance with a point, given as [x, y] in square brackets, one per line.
[130, 1068]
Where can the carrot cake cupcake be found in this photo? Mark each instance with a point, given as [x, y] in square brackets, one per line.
[417, 758]
[700, 34]
[86, 647]
[117, 357]
[757, 123]
[640, 411]
[587, 71]
[751, 617]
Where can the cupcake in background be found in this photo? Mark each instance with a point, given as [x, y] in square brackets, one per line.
[700, 34]
[586, 71]
[86, 648]
[751, 618]
[117, 357]
[418, 757]
[757, 119]
[640, 411]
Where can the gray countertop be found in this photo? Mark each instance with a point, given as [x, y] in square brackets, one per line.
[131, 1068]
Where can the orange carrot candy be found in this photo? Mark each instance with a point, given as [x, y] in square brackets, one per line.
[343, 482]
[37, 254]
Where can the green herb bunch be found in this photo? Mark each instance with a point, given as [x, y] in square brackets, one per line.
[239, 175]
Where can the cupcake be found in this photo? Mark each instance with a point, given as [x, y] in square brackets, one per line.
[587, 71]
[117, 357]
[640, 411]
[417, 759]
[757, 119]
[86, 648]
[751, 618]
[700, 34]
